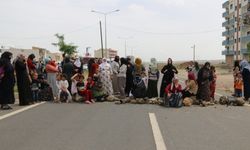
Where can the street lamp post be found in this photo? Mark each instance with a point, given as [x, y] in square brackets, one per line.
[105, 22]
[125, 46]
[193, 47]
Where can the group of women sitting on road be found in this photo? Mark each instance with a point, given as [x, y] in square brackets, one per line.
[120, 79]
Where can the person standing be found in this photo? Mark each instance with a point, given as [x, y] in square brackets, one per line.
[236, 71]
[122, 78]
[105, 77]
[168, 72]
[153, 76]
[23, 81]
[7, 81]
[204, 78]
[68, 70]
[31, 64]
[52, 70]
[213, 82]
[245, 69]
[115, 69]
[129, 77]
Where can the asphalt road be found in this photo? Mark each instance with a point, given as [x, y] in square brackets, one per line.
[106, 126]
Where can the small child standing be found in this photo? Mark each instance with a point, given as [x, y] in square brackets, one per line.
[74, 91]
[213, 82]
[35, 87]
[238, 85]
[64, 94]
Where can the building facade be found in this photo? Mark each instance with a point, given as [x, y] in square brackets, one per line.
[40, 53]
[107, 53]
[230, 33]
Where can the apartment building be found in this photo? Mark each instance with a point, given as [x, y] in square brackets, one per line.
[107, 53]
[230, 33]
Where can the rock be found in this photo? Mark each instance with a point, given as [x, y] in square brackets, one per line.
[223, 100]
[187, 102]
[240, 102]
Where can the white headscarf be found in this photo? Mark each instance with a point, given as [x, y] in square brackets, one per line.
[77, 63]
[244, 65]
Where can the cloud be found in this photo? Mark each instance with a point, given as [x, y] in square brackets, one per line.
[140, 10]
[171, 2]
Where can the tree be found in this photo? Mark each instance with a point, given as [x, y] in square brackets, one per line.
[63, 47]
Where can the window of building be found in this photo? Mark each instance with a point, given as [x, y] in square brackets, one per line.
[231, 6]
[248, 32]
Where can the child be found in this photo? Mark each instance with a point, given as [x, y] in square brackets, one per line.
[84, 91]
[64, 94]
[35, 87]
[45, 91]
[213, 82]
[74, 80]
[238, 85]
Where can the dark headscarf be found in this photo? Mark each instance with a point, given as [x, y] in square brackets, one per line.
[31, 56]
[116, 59]
[6, 56]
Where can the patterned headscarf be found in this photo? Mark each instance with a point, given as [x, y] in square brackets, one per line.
[244, 65]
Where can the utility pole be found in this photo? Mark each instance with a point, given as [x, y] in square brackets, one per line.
[193, 52]
[237, 30]
[105, 23]
[101, 39]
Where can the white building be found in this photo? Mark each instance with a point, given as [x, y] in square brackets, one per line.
[230, 33]
[40, 53]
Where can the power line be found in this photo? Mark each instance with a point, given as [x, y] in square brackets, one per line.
[168, 33]
[49, 35]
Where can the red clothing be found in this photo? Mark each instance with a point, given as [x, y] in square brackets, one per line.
[51, 68]
[30, 64]
[94, 69]
[90, 84]
[172, 89]
[87, 94]
[213, 86]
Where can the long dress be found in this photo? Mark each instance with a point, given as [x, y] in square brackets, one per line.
[23, 83]
[153, 75]
[129, 78]
[7, 85]
[246, 81]
[169, 71]
[51, 78]
[105, 73]
[68, 69]
[204, 78]
[115, 70]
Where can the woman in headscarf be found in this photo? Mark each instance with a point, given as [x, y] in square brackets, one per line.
[7, 81]
[153, 76]
[105, 77]
[68, 69]
[52, 70]
[23, 81]
[78, 66]
[139, 69]
[115, 69]
[204, 78]
[245, 69]
[31, 64]
[129, 77]
[122, 78]
[191, 86]
[168, 72]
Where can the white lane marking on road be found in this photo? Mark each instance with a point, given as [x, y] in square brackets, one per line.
[160, 144]
[20, 110]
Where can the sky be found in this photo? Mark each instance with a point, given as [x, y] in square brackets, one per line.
[154, 28]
